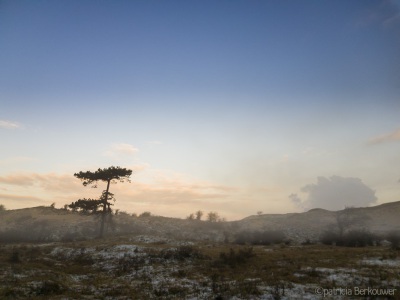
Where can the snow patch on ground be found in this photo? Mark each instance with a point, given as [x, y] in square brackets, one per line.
[381, 262]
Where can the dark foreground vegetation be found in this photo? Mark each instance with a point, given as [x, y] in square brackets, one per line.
[49, 253]
[146, 267]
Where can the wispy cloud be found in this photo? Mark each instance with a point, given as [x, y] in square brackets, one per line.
[9, 124]
[167, 187]
[393, 19]
[171, 194]
[392, 22]
[121, 149]
[389, 137]
[162, 189]
[16, 160]
[23, 199]
[384, 13]
[63, 183]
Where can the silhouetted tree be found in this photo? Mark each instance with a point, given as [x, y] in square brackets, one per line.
[213, 216]
[108, 175]
[199, 214]
[87, 206]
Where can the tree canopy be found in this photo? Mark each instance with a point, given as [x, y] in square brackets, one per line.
[109, 175]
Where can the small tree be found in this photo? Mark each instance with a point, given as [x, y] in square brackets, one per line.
[199, 214]
[108, 175]
[190, 217]
[2, 207]
[213, 216]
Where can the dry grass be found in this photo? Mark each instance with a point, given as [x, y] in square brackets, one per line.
[122, 268]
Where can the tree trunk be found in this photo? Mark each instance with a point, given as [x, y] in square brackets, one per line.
[104, 213]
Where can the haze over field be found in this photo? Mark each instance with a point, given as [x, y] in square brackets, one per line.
[229, 106]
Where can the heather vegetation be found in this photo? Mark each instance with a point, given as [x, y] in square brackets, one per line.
[149, 267]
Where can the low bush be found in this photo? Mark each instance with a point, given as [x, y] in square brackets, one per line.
[234, 258]
[267, 237]
[182, 253]
[145, 214]
[394, 238]
[14, 258]
[49, 287]
[352, 238]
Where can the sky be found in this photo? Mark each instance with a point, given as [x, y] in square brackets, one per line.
[227, 106]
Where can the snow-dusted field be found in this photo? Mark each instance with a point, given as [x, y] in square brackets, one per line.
[151, 267]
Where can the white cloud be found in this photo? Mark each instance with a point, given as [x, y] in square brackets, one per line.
[335, 193]
[389, 137]
[9, 125]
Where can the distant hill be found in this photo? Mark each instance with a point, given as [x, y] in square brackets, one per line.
[309, 225]
[50, 224]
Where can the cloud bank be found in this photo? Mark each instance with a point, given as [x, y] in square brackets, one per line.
[335, 193]
[154, 190]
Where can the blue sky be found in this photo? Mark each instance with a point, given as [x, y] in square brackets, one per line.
[230, 106]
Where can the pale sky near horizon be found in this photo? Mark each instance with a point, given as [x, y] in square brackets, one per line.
[227, 106]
